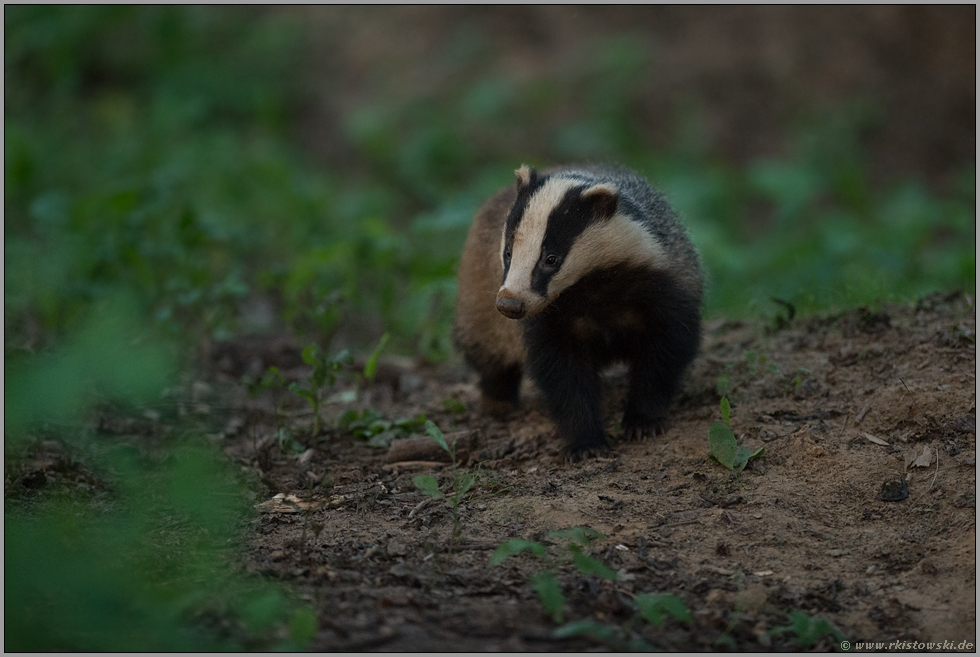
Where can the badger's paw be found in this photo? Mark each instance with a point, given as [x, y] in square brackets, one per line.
[496, 407]
[635, 431]
[574, 453]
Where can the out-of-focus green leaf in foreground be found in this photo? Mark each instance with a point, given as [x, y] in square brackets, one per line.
[147, 566]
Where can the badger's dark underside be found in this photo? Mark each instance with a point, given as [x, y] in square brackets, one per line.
[640, 316]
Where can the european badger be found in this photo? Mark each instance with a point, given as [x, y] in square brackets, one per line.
[566, 272]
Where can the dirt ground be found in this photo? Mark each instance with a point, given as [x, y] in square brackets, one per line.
[843, 405]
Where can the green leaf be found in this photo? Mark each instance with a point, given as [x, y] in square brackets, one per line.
[808, 630]
[721, 444]
[465, 483]
[587, 627]
[378, 426]
[453, 405]
[435, 434]
[726, 411]
[514, 546]
[382, 440]
[302, 392]
[320, 378]
[346, 419]
[742, 456]
[303, 625]
[727, 642]
[371, 366]
[272, 378]
[549, 592]
[615, 637]
[262, 611]
[410, 424]
[579, 535]
[337, 363]
[591, 566]
[310, 354]
[429, 486]
[653, 606]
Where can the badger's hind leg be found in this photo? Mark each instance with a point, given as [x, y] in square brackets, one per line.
[500, 387]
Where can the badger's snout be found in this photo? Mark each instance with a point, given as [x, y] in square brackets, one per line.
[510, 307]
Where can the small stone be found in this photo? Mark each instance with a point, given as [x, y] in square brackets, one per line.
[894, 491]
[397, 548]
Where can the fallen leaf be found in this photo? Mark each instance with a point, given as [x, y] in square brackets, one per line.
[283, 503]
[876, 440]
[925, 459]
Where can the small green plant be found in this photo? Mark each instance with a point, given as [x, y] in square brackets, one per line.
[797, 381]
[652, 608]
[272, 379]
[324, 374]
[453, 405]
[722, 444]
[379, 432]
[808, 630]
[371, 366]
[545, 582]
[617, 638]
[461, 482]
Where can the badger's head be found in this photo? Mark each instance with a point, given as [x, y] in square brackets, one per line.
[560, 228]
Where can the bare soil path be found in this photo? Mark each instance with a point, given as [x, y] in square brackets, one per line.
[843, 405]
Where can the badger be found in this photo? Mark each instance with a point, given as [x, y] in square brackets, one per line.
[566, 272]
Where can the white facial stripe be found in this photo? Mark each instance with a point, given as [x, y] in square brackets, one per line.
[526, 247]
[615, 241]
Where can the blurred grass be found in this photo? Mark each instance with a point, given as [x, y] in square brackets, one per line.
[153, 191]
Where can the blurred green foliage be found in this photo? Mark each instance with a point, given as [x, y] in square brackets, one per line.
[153, 191]
[128, 547]
[151, 148]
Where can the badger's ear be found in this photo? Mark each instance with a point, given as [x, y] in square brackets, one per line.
[604, 199]
[525, 176]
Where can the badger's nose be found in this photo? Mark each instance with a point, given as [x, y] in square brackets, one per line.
[510, 307]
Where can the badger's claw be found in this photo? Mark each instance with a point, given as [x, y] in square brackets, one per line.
[573, 454]
[637, 431]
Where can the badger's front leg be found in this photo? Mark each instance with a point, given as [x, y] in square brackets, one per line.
[569, 381]
[656, 366]
[651, 390]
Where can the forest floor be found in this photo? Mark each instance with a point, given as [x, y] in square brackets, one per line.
[844, 405]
